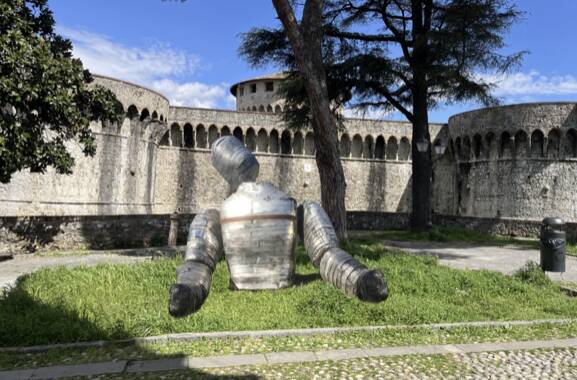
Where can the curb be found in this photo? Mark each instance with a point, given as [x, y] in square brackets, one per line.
[183, 337]
[184, 363]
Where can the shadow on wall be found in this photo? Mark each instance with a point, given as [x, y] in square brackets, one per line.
[405, 201]
[26, 322]
[27, 234]
[375, 192]
[186, 172]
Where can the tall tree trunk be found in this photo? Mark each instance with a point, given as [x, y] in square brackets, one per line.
[306, 41]
[421, 165]
[421, 162]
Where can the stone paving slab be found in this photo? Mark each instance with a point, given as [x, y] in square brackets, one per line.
[461, 255]
[170, 364]
[57, 372]
[157, 365]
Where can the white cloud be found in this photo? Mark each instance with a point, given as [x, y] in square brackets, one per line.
[532, 84]
[158, 66]
[193, 94]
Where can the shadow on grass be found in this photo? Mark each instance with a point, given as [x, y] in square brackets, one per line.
[25, 321]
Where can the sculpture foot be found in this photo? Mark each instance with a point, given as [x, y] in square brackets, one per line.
[373, 287]
[185, 300]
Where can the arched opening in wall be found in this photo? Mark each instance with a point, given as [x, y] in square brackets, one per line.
[269, 108]
[553, 143]
[273, 141]
[144, 115]
[368, 148]
[253, 108]
[357, 146]
[132, 112]
[459, 148]
[392, 148]
[154, 115]
[165, 140]
[261, 108]
[250, 140]
[298, 143]
[161, 117]
[310, 144]
[490, 145]
[380, 148]
[570, 144]
[212, 135]
[188, 136]
[478, 147]
[345, 145]
[466, 148]
[277, 109]
[404, 149]
[225, 131]
[201, 137]
[175, 135]
[537, 143]
[521, 144]
[285, 142]
[505, 148]
[238, 134]
[262, 141]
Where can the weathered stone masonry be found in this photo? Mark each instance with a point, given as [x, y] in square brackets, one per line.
[512, 164]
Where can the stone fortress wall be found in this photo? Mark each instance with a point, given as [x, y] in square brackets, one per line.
[157, 161]
[513, 163]
[516, 161]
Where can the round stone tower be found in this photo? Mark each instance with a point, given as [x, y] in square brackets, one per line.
[260, 94]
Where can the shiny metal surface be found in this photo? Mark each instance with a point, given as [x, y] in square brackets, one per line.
[194, 274]
[233, 161]
[319, 234]
[204, 242]
[342, 270]
[259, 233]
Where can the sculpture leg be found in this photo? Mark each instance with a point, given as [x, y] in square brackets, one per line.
[337, 266]
[194, 276]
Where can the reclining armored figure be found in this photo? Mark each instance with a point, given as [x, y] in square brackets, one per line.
[256, 229]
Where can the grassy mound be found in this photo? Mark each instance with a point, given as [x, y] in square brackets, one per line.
[120, 301]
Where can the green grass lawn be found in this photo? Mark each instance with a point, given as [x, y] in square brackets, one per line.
[120, 301]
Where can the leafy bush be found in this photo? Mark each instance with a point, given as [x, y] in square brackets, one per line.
[532, 273]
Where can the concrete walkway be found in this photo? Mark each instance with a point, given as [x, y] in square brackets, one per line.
[184, 363]
[460, 255]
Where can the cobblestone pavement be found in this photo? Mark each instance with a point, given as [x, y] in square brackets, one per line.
[522, 365]
[461, 255]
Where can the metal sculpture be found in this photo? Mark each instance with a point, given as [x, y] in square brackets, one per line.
[256, 228]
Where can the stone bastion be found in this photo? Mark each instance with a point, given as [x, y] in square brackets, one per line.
[503, 169]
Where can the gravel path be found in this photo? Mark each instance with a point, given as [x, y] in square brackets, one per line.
[552, 359]
[521, 365]
[460, 255]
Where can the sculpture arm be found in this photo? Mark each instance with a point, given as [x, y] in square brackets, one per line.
[337, 266]
[194, 276]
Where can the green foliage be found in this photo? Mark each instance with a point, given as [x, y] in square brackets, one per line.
[532, 273]
[45, 97]
[374, 51]
[120, 301]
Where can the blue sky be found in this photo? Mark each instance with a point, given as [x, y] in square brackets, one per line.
[188, 51]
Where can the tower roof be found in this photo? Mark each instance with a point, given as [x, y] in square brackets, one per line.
[274, 76]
